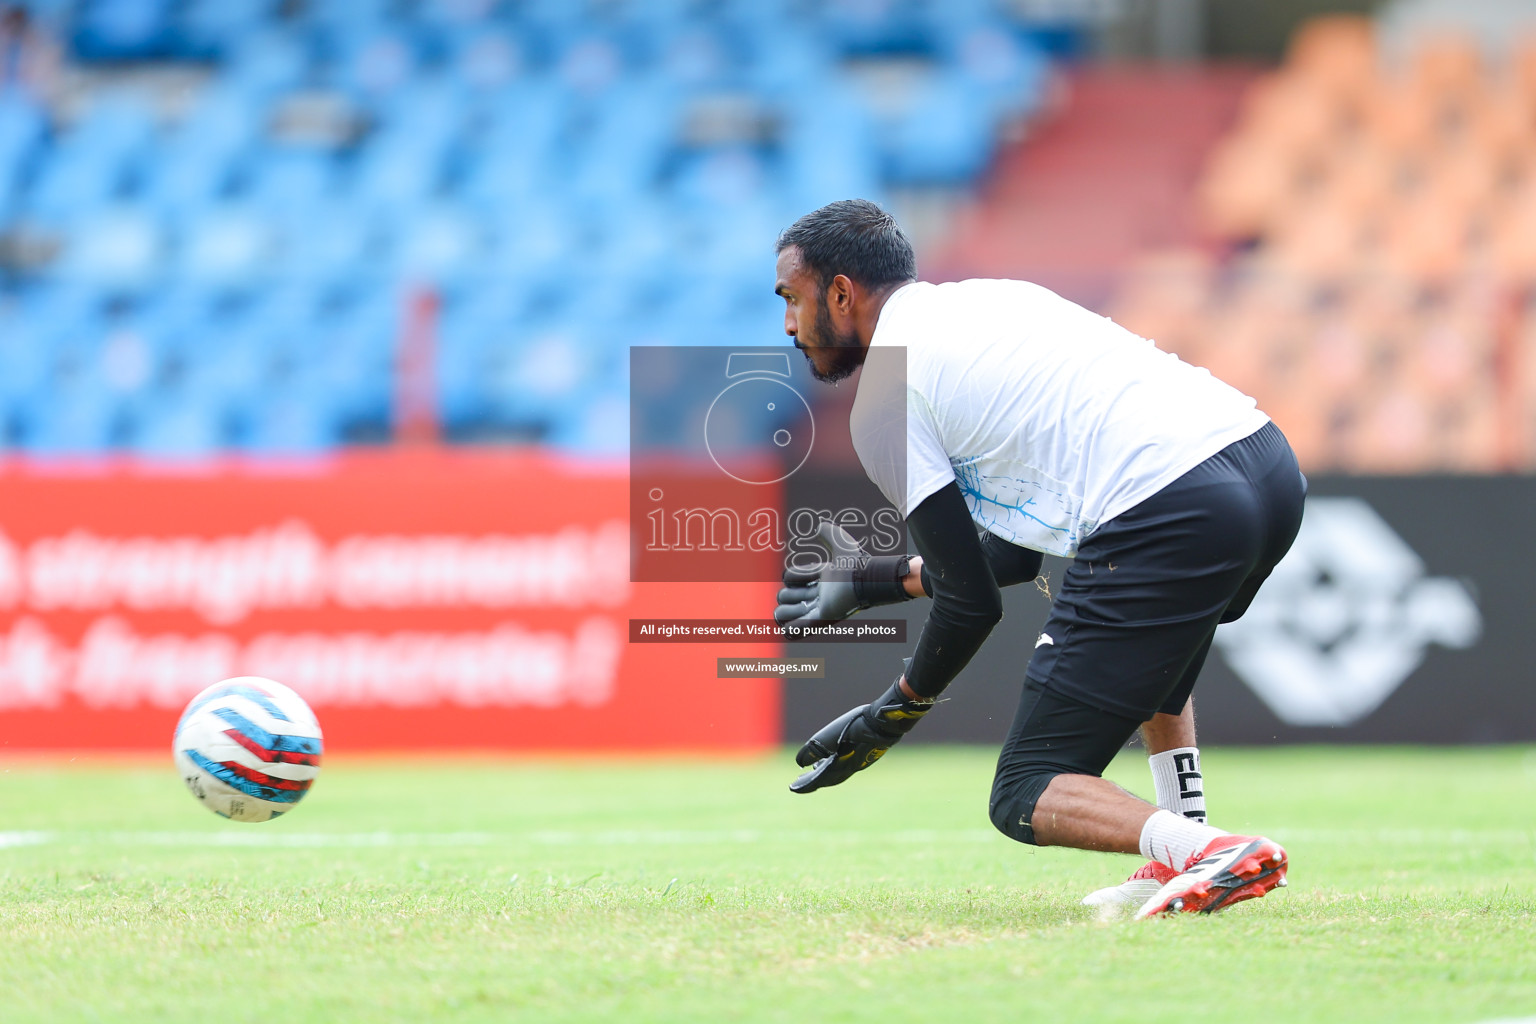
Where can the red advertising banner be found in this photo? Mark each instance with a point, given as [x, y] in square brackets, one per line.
[417, 600]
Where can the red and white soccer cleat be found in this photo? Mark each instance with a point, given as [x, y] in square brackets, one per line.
[1229, 870]
[1134, 891]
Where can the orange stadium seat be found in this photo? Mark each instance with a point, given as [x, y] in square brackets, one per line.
[1464, 181]
[1448, 63]
[1402, 119]
[1338, 51]
[1425, 241]
[1165, 298]
[1452, 356]
[1511, 241]
[1305, 425]
[1338, 359]
[1395, 434]
[1245, 181]
[1322, 240]
[1522, 69]
[1394, 210]
[1502, 128]
[1294, 113]
[1469, 440]
[1361, 175]
[1240, 348]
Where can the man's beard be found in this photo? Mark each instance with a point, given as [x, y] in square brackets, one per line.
[846, 353]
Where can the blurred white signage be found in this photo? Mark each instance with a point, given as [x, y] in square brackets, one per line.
[1345, 619]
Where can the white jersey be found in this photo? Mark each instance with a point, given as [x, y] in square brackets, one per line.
[1052, 419]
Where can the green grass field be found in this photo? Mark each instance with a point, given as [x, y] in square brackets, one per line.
[674, 890]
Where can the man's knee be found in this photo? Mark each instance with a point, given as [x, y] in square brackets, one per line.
[1014, 795]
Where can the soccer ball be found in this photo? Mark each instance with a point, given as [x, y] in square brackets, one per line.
[248, 748]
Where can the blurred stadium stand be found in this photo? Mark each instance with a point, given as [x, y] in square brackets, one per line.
[221, 220]
[1350, 237]
[218, 216]
[1373, 277]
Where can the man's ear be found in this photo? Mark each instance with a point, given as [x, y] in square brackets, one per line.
[840, 295]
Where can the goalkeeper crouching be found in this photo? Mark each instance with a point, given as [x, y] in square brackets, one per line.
[1034, 426]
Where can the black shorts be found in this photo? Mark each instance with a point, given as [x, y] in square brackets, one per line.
[1134, 615]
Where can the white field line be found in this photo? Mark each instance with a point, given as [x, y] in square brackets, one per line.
[1423, 836]
[241, 836]
[631, 837]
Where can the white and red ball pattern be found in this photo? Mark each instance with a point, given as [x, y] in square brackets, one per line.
[248, 748]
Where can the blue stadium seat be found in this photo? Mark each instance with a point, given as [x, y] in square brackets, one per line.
[944, 18]
[639, 234]
[224, 119]
[539, 163]
[211, 26]
[115, 125]
[225, 245]
[944, 137]
[558, 24]
[73, 180]
[114, 247]
[177, 424]
[597, 426]
[829, 150]
[117, 30]
[281, 311]
[25, 356]
[293, 180]
[324, 246]
[356, 366]
[429, 113]
[786, 57]
[22, 127]
[374, 62]
[696, 56]
[499, 179]
[186, 177]
[394, 171]
[759, 16]
[1009, 72]
[228, 365]
[532, 244]
[720, 179]
[486, 58]
[267, 62]
[348, 17]
[287, 422]
[539, 374]
[70, 419]
[866, 28]
[174, 319]
[462, 340]
[436, 244]
[61, 311]
[526, 119]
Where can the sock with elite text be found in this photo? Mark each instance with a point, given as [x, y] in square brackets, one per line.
[1180, 786]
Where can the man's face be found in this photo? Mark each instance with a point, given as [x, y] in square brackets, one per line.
[833, 354]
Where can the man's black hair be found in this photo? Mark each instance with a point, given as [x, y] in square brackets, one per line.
[853, 237]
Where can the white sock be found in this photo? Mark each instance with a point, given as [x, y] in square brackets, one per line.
[1174, 840]
[1180, 786]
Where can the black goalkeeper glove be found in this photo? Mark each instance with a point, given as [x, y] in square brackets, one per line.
[853, 741]
[847, 581]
